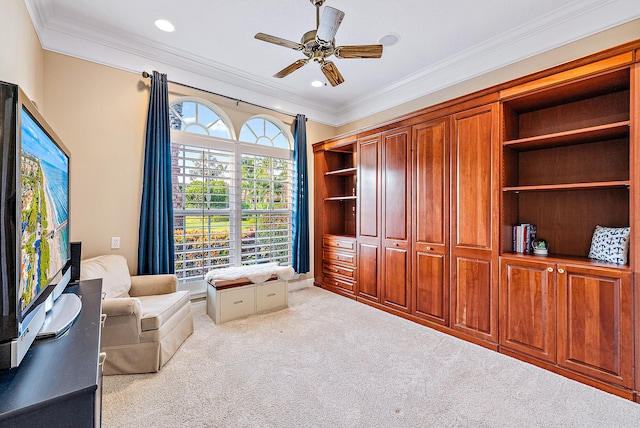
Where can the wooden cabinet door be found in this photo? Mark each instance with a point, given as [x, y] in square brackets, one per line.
[396, 218]
[430, 234]
[368, 284]
[595, 334]
[528, 307]
[369, 187]
[369, 264]
[474, 194]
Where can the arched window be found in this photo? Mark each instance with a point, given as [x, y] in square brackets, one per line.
[200, 117]
[266, 131]
[231, 198]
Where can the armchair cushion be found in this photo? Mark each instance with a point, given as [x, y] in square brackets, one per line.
[147, 285]
[114, 271]
[156, 310]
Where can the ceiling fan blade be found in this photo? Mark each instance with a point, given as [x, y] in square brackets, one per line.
[329, 23]
[279, 41]
[361, 51]
[291, 68]
[331, 73]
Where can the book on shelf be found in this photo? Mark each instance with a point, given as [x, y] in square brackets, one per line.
[523, 236]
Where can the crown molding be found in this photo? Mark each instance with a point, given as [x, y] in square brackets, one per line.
[572, 22]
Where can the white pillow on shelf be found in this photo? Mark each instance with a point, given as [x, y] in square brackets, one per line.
[610, 244]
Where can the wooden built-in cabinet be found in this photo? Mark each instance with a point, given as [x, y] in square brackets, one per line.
[475, 178]
[396, 219]
[336, 172]
[415, 217]
[369, 247]
[430, 235]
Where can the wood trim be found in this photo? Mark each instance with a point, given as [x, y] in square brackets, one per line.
[333, 143]
[634, 208]
[603, 386]
[436, 111]
[598, 66]
[426, 323]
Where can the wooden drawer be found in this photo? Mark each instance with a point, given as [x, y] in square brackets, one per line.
[333, 269]
[334, 256]
[335, 281]
[271, 295]
[342, 243]
[237, 303]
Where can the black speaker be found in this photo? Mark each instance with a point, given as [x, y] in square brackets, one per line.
[76, 251]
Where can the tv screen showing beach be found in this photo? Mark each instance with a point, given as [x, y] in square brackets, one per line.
[44, 175]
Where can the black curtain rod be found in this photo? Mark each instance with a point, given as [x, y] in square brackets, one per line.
[147, 75]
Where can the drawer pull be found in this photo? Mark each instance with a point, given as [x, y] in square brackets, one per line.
[238, 301]
[271, 294]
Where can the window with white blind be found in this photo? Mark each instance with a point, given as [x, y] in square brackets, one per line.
[231, 199]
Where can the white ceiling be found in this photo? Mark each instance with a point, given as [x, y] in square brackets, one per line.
[213, 46]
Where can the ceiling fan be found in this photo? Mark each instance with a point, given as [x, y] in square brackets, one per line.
[319, 44]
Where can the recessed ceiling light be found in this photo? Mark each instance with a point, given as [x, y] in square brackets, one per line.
[316, 83]
[164, 25]
[389, 39]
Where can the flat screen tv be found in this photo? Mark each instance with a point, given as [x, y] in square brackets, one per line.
[34, 229]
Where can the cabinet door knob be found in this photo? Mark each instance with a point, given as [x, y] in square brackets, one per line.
[429, 248]
[549, 269]
[560, 270]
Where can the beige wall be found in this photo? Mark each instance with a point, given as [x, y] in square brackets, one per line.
[21, 58]
[598, 42]
[99, 113]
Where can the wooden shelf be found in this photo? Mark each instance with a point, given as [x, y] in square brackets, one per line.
[342, 172]
[568, 186]
[566, 259]
[341, 198]
[578, 136]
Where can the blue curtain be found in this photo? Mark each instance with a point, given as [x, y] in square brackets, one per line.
[155, 237]
[300, 197]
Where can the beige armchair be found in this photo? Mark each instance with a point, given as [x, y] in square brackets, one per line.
[147, 319]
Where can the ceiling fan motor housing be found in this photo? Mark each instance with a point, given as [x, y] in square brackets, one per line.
[314, 50]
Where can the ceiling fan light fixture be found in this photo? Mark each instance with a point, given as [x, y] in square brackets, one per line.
[328, 26]
[164, 25]
[317, 84]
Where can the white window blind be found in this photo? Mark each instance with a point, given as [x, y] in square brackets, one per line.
[266, 209]
[204, 205]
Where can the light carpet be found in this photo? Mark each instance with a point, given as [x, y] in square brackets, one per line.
[328, 361]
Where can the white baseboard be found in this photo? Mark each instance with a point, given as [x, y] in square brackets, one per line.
[300, 284]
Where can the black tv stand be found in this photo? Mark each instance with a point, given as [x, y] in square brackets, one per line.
[59, 381]
[59, 319]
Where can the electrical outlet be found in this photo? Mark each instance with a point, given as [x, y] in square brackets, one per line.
[115, 242]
